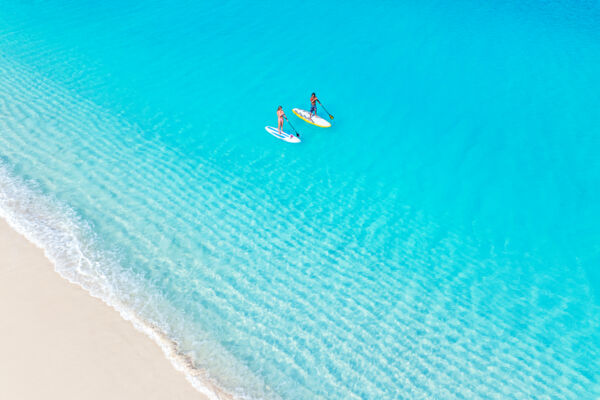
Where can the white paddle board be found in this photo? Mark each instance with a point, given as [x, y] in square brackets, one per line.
[283, 135]
[315, 119]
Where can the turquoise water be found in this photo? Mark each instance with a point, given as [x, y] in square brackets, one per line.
[439, 241]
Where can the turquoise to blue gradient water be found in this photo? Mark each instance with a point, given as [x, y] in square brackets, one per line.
[441, 240]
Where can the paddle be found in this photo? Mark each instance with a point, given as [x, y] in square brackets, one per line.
[330, 116]
[288, 121]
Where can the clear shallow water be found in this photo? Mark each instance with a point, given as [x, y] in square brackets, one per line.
[439, 241]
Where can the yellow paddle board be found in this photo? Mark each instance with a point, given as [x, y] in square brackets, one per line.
[314, 120]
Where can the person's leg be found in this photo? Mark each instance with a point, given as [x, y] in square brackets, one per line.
[280, 125]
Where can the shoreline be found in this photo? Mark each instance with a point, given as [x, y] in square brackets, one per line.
[58, 341]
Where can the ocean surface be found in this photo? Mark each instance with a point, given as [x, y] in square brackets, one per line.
[440, 241]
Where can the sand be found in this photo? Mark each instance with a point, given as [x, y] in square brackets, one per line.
[58, 342]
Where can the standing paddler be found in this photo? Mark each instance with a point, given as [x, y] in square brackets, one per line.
[313, 104]
[280, 117]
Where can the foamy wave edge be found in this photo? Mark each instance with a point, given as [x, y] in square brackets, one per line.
[62, 235]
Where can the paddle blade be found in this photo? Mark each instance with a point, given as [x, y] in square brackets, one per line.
[330, 116]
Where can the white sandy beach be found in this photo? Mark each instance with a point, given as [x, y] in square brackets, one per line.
[58, 342]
